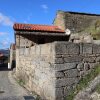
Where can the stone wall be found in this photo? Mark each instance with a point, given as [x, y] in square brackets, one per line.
[74, 21]
[12, 56]
[34, 67]
[53, 69]
[28, 39]
[96, 42]
[74, 61]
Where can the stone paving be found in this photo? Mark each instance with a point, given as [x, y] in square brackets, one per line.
[10, 90]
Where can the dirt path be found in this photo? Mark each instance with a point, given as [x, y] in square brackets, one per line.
[10, 90]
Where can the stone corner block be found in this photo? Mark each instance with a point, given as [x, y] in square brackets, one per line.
[67, 48]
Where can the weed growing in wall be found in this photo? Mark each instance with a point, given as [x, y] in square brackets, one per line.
[83, 83]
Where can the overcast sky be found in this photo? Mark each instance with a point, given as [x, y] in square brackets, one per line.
[37, 12]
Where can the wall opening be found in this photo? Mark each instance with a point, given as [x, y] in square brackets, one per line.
[41, 40]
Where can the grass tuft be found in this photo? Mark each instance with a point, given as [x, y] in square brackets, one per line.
[21, 82]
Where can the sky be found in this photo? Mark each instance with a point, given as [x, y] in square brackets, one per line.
[37, 12]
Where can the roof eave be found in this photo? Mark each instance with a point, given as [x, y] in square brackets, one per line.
[41, 33]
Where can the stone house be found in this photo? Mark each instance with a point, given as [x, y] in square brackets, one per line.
[27, 35]
[34, 56]
[48, 64]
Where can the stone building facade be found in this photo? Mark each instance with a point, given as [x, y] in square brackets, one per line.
[75, 21]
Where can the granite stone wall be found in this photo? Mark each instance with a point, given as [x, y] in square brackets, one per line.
[74, 21]
[72, 62]
[12, 57]
[34, 67]
[52, 70]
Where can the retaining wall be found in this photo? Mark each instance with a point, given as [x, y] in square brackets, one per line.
[52, 70]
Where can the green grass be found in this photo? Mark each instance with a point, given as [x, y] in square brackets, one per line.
[21, 82]
[83, 83]
[37, 96]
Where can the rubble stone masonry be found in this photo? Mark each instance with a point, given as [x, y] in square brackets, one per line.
[52, 70]
[74, 21]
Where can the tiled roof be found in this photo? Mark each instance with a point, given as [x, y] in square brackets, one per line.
[34, 27]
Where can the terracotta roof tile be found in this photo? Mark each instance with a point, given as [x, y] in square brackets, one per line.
[34, 27]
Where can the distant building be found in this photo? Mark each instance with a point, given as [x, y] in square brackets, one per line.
[1, 54]
[3, 58]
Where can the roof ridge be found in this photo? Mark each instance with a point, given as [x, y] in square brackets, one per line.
[81, 13]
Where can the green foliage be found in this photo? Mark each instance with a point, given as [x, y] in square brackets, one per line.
[38, 98]
[21, 82]
[83, 83]
[93, 29]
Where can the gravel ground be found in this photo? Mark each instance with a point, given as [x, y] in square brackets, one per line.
[10, 90]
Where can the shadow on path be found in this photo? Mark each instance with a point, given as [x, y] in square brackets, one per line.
[29, 98]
